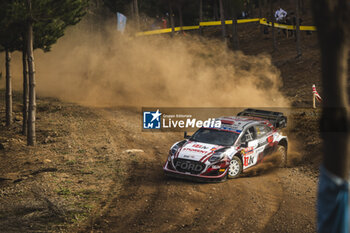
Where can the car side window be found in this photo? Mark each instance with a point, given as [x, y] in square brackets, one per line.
[262, 130]
[249, 135]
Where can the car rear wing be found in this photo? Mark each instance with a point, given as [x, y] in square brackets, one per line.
[277, 119]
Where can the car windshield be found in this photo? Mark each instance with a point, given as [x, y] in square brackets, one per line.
[213, 136]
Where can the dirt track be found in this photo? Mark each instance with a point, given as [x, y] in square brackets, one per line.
[94, 184]
[271, 200]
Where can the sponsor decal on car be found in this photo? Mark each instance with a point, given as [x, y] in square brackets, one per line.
[247, 151]
[200, 146]
[189, 166]
[195, 150]
[248, 160]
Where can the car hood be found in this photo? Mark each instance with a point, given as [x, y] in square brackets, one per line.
[197, 151]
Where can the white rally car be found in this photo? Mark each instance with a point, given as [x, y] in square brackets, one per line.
[242, 141]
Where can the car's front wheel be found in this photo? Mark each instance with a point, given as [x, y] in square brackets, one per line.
[235, 168]
[282, 152]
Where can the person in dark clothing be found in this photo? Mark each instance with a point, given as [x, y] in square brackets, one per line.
[292, 20]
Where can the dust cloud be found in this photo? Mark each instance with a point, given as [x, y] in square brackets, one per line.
[103, 68]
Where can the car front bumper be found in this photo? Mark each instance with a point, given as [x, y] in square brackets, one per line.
[188, 176]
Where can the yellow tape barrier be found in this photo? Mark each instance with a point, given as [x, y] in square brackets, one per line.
[166, 30]
[262, 21]
[217, 23]
[289, 27]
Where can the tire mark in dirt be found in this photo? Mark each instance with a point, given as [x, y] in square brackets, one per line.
[233, 206]
[136, 197]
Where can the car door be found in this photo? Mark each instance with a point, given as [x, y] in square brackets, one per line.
[264, 137]
[250, 150]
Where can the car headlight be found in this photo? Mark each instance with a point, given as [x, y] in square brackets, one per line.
[216, 157]
[173, 150]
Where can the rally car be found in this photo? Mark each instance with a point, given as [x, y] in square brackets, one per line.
[241, 142]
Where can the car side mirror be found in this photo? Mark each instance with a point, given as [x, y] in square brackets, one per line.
[186, 136]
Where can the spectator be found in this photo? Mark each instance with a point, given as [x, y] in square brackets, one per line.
[295, 20]
[164, 23]
[243, 15]
[157, 23]
[292, 20]
[280, 15]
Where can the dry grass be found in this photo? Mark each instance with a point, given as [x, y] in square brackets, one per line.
[59, 183]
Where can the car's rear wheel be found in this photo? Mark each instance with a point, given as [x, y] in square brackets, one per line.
[235, 168]
[282, 152]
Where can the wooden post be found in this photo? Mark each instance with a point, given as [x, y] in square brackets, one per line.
[313, 100]
[9, 116]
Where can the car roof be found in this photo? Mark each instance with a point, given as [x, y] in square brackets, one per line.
[238, 123]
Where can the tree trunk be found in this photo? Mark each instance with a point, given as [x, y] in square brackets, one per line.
[25, 92]
[302, 7]
[235, 39]
[215, 10]
[132, 11]
[335, 121]
[179, 7]
[171, 19]
[31, 135]
[9, 116]
[274, 42]
[297, 29]
[200, 16]
[260, 16]
[222, 19]
[251, 10]
[137, 16]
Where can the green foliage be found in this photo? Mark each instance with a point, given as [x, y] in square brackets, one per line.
[8, 29]
[50, 18]
[63, 191]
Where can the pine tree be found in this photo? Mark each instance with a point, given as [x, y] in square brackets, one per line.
[48, 19]
[9, 41]
[32, 24]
